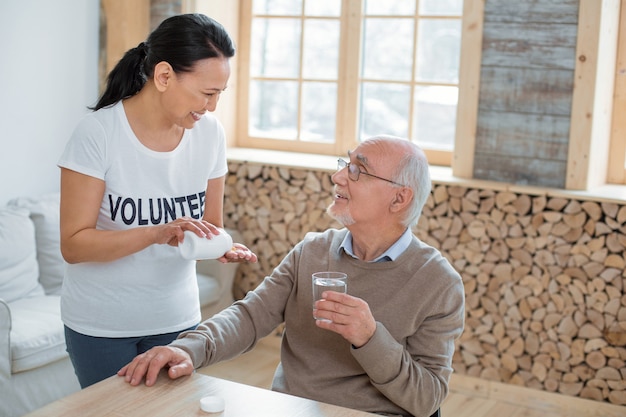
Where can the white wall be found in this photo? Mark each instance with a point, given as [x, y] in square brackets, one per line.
[49, 75]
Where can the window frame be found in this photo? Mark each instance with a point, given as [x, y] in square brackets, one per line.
[348, 82]
[609, 162]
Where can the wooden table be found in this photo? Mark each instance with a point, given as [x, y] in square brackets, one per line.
[181, 397]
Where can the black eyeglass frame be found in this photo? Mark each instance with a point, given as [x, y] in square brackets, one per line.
[354, 172]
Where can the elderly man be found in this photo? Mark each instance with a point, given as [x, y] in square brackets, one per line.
[388, 344]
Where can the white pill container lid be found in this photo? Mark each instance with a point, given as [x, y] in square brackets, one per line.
[196, 247]
[212, 404]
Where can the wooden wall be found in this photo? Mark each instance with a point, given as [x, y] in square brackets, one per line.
[124, 24]
[526, 88]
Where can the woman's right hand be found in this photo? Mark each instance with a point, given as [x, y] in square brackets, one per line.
[81, 241]
[174, 232]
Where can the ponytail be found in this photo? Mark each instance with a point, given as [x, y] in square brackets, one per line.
[180, 40]
[126, 78]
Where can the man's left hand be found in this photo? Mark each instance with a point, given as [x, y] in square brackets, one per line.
[150, 363]
[350, 317]
[238, 253]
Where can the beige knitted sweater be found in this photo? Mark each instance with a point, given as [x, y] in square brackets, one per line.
[417, 301]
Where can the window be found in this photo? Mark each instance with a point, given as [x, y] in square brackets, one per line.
[325, 74]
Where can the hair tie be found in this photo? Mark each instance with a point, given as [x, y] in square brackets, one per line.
[143, 48]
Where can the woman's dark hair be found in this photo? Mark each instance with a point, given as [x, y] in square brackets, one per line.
[180, 41]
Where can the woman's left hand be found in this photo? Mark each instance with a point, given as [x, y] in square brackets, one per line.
[238, 253]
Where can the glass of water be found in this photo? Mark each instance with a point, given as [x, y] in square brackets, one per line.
[328, 281]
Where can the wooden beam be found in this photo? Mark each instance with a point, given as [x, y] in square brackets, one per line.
[127, 24]
[593, 94]
[226, 13]
[469, 84]
[240, 131]
[349, 63]
[617, 171]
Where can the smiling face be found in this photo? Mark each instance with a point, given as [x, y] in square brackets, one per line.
[366, 201]
[189, 95]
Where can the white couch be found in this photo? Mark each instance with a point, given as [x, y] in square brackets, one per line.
[34, 366]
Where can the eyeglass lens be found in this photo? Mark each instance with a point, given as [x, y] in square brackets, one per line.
[353, 170]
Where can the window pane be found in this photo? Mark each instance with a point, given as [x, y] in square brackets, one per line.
[319, 109]
[441, 7]
[390, 7]
[323, 8]
[384, 110]
[277, 7]
[273, 109]
[435, 117]
[275, 50]
[321, 49]
[439, 50]
[388, 49]
[407, 73]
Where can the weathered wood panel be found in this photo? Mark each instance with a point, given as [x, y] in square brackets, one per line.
[532, 11]
[529, 45]
[162, 9]
[528, 61]
[520, 170]
[526, 90]
[523, 135]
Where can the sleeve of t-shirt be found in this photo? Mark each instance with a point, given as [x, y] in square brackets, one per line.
[85, 152]
[221, 166]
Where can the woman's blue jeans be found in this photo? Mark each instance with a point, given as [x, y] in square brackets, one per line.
[97, 358]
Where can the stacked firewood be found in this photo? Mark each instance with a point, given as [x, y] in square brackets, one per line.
[544, 280]
[273, 208]
[544, 274]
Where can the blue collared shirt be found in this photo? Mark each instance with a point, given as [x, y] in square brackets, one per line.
[390, 254]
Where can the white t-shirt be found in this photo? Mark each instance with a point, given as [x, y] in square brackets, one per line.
[153, 291]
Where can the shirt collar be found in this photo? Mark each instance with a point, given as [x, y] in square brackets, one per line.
[391, 254]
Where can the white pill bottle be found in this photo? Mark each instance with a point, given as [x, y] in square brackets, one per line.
[196, 247]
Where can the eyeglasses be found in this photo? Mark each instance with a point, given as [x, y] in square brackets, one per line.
[354, 172]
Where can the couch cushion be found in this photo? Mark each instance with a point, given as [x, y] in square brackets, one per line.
[37, 334]
[44, 212]
[19, 271]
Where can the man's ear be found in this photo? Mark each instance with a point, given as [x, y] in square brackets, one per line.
[163, 73]
[402, 199]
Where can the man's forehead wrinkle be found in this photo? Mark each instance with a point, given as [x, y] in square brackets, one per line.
[362, 159]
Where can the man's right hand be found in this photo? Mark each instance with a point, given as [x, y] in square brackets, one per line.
[150, 363]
